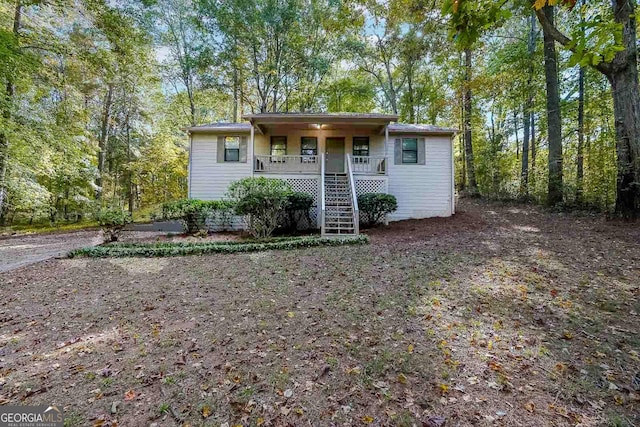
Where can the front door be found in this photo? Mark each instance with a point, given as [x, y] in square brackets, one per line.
[334, 149]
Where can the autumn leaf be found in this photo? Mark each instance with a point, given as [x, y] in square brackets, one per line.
[539, 4]
[206, 411]
[367, 419]
[444, 388]
[402, 379]
[260, 421]
[130, 395]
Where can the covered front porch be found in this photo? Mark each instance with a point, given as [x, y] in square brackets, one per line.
[333, 157]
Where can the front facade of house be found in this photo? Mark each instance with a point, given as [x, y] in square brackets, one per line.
[333, 157]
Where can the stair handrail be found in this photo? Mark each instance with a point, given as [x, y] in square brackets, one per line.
[322, 197]
[354, 197]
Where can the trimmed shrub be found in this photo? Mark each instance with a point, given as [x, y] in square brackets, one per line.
[297, 210]
[112, 222]
[192, 212]
[178, 249]
[375, 206]
[263, 201]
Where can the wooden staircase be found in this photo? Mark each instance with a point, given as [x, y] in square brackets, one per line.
[339, 206]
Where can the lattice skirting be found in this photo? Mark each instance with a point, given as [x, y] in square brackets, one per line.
[370, 185]
[310, 186]
[304, 185]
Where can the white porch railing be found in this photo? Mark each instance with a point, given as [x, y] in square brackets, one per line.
[354, 195]
[366, 165]
[286, 164]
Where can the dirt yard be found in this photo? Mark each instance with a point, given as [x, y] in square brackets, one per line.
[502, 315]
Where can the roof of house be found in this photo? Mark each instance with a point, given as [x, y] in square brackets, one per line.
[371, 118]
[420, 129]
[320, 116]
[221, 127]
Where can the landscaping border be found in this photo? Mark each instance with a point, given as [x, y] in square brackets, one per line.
[165, 249]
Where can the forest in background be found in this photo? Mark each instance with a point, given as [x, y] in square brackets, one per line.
[95, 95]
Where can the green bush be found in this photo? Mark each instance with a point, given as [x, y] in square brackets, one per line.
[112, 222]
[297, 210]
[178, 249]
[193, 213]
[375, 206]
[262, 200]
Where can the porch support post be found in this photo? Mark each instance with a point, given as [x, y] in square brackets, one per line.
[386, 150]
[252, 149]
[386, 139]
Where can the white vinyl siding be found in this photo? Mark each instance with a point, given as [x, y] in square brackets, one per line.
[422, 190]
[210, 179]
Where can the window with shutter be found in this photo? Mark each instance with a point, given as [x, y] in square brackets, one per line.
[231, 149]
[409, 150]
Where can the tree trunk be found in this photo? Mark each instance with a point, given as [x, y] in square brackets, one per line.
[412, 113]
[472, 186]
[235, 94]
[6, 115]
[554, 124]
[524, 174]
[528, 110]
[580, 148]
[515, 129]
[534, 149]
[104, 138]
[626, 107]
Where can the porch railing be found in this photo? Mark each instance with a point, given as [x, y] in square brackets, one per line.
[367, 165]
[354, 195]
[286, 164]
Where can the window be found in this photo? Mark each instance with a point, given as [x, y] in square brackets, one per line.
[409, 150]
[231, 148]
[309, 146]
[361, 146]
[278, 145]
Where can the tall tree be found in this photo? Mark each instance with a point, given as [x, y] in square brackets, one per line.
[528, 108]
[619, 63]
[554, 122]
[472, 185]
[12, 42]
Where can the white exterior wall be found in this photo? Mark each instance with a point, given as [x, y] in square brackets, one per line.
[209, 180]
[421, 190]
[425, 190]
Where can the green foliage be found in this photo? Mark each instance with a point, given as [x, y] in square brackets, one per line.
[375, 206]
[112, 222]
[263, 200]
[180, 249]
[193, 213]
[297, 210]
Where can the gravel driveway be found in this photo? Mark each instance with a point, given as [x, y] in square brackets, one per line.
[24, 250]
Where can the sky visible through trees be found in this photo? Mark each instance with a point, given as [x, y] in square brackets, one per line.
[95, 95]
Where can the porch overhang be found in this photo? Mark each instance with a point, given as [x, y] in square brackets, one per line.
[324, 121]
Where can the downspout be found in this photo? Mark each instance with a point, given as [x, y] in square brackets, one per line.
[252, 149]
[386, 167]
[190, 164]
[453, 178]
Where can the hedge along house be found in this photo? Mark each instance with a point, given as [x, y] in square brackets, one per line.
[334, 157]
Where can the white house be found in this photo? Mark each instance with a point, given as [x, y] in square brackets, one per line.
[334, 157]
